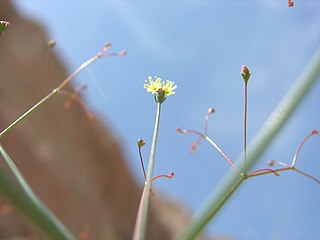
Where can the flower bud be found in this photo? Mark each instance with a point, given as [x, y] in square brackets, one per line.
[211, 110]
[160, 95]
[290, 3]
[3, 26]
[271, 163]
[245, 73]
[52, 44]
[107, 46]
[141, 142]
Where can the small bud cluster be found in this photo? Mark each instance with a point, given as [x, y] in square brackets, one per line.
[245, 73]
[3, 26]
[290, 3]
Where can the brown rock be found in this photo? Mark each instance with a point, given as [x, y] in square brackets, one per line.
[74, 165]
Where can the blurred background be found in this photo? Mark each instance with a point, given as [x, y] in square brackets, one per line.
[201, 46]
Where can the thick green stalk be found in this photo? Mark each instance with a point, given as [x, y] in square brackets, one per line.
[142, 215]
[271, 127]
[28, 203]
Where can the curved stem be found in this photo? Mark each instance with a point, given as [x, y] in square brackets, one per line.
[300, 146]
[141, 221]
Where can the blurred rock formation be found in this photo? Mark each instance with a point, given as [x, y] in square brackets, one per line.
[76, 166]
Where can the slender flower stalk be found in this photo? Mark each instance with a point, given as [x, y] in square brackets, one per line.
[212, 143]
[246, 76]
[160, 90]
[313, 132]
[140, 144]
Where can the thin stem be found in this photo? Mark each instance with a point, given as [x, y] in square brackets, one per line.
[141, 221]
[163, 176]
[30, 204]
[209, 140]
[259, 144]
[209, 113]
[274, 171]
[212, 143]
[54, 92]
[263, 170]
[301, 144]
[307, 175]
[245, 126]
[23, 116]
[256, 174]
[142, 164]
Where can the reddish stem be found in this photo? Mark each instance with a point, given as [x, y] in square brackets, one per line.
[313, 132]
[142, 164]
[261, 171]
[245, 125]
[163, 176]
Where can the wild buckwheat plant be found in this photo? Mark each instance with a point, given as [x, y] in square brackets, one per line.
[24, 200]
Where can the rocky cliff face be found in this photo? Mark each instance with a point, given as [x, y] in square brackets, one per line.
[74, 165]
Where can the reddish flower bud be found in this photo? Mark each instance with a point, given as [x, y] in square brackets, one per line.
[179, 130]
[271, 163]
[245, 73]
[290, 3]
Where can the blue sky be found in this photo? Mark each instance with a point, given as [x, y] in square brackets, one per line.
[201, 46]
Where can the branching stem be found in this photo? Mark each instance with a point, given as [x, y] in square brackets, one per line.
[141, 221]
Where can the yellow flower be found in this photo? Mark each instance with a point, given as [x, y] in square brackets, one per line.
[161, 89]
[154, 86]
[169, 87]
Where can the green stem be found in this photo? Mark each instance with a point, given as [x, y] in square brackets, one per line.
[272, 126]
[24, 198]
[32, 109]
[29, 204]
[54, 92]
[141, 221]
